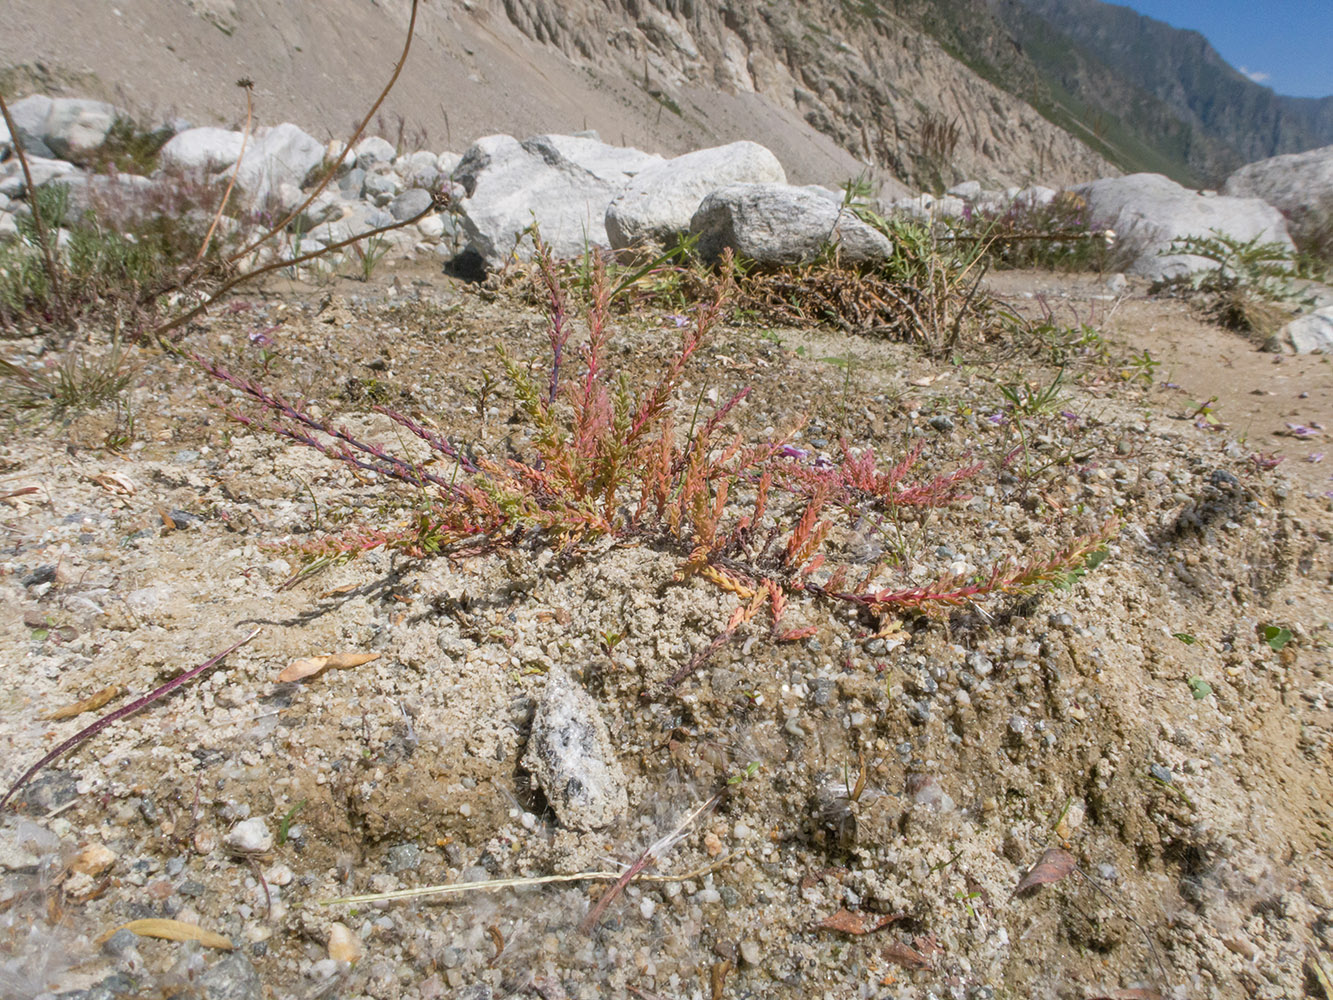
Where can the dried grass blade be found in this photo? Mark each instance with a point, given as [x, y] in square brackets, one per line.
[89, 704]
[171, 930]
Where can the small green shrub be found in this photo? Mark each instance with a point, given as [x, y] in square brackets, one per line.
[76, 381]
[1250, 289]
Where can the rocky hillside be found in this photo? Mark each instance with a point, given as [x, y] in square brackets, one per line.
[831, 87]
[1146, 88]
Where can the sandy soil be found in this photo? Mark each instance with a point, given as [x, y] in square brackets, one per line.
[1140, 719]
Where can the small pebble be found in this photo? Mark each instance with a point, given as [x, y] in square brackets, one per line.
[249, 836]
[93, 860]
[344, 946]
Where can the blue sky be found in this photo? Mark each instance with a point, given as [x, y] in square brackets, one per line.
[1283, 44]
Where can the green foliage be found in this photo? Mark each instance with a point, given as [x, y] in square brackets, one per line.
[1243, 290]
[1090, 562]
[115, 257]
[1277, 637]
[369, 254]
[1200, 688]
[1260, 268]
[129, 148]
[1033, 399]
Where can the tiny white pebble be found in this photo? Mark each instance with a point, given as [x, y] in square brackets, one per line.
[465, 810]
[250, 836]
[646, 908]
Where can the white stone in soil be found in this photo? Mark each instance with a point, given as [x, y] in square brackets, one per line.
[251, 836]
[1309, 333]
[571, 758]
[658, 202]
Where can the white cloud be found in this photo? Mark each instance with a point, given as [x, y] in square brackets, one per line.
[1257, 75]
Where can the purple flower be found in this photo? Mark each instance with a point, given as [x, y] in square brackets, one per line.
[791, 451]
[1315, 456]
[1301, 431]
[997, 418]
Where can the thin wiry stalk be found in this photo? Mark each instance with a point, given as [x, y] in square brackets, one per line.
[48, 255]
[352, 141]
[248, 87]
[88, 732]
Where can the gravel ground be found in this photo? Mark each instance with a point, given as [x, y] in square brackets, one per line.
[909, 773]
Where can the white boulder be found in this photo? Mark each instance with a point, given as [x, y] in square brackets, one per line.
[1309, 333]
[562, 183]
[658, 204]
[76, 128]
[773, 224]
[201, 150]
[283, 154]
[1299, 184]
[1148, 212]
[29, 117]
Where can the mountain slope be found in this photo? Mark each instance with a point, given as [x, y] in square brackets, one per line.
[834, 88]
[1221, 118]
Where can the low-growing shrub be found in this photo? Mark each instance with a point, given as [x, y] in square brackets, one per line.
[1058, 236]
[1250, 289]
[608, 458]
[115, 256]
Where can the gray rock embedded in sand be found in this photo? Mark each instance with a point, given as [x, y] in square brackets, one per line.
[1309, 333]
[1149, 211]
[776, 224]
[571, 758]
[660, 201]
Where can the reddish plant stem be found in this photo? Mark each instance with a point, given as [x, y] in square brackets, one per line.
[88, 732]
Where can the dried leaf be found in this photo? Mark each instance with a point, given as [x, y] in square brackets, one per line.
[1054, 865]
[906, 956]
[89, 704]
[114, 482]
[343, 661]
[171, 930]
[312, 665]
[847, 922]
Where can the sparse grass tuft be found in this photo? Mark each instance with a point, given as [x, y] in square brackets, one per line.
[74, 382]
[1059, 236]
[130, 244]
